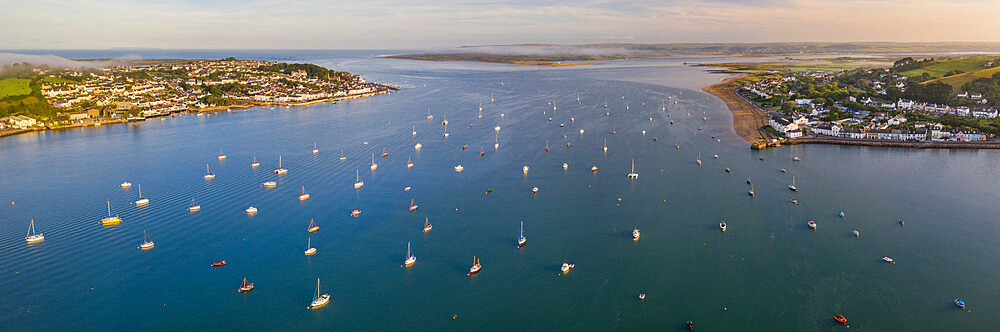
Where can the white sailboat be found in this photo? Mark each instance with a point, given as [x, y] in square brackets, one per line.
[222, 156]
[111, 220]
[699, 159]
[520, 238]
[410, 258]
[208, 173]
[605, 145]
[633, 175]
[254, 163]
[475, 266]
[31, 236]
[146, 242]
[310, 250]
[427, 225]
[319, 300]
[792, 186]
[141, 200]
[413, 206]
[414, 130]
[342, 156]
[194, 206]
[312, 226]
[357, 180]
[374, 165]
[304, 195]
[280, 170]
[409, 163]
[315, 150]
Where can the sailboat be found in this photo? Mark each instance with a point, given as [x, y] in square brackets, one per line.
[312, 226]
[633, 175]
[342, 156]
[280, 170]
[357, 180]
[319, 300]
[496, 141]
[410, 258]
[310, 250]
[31, 236]
[475, 266]
[409, 163]
[254, 163]
[208, 173]
[194, 206]
[480, 110]
[222, 156]
[491, 97]
[429, 116]
[546, 145]
[413, 206]
[304, 195]
[374, 165]
[792, 186]
[427, 225]
[246, 287]
[445, 121]
[111, 220]
[146, 242]
[315, 150]
[141, 200]
[520, 238]
[751, 191]
[446, 134]
[384, 154]
[414, 130]
[496, 128]
[481, 151]
[525, 169]
[699, 159]
[269, 184]
[417, 146]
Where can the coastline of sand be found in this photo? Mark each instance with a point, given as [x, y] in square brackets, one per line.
[747, 117]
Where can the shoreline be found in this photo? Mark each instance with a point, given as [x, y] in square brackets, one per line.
[213, 109]
[898, 144]
[747, 117]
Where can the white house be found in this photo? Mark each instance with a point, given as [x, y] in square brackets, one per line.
[826, 129]
[962, 111]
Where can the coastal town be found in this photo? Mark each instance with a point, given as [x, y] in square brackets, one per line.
[55, 99]
[879, 104]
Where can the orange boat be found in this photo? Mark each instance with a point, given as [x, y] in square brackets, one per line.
[840, 319]
[219, 263]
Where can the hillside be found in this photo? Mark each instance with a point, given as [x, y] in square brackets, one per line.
[942, 67]
[956, 81]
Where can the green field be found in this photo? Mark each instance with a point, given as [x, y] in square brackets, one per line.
[956, 81]
[14, 87]
[942, 67]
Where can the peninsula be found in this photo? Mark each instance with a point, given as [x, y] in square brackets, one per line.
[916, 102]
[39, 98]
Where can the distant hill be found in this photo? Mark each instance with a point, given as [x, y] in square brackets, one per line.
[548, 53]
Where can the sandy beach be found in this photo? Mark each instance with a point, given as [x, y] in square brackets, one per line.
[747, 118]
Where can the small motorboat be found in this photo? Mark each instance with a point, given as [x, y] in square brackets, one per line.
[246, 287]
[635, 234]
[593, 169]
[900, 220]
[690, 325]
[856, 233]
[534, 190]
[565, 165]
[464, 147]
[459, 168]
[784, 170]
[219, 263]
[722, 225]
[566, 267]
[796, 158]
[642, 296]
[251, 210]
[417, 146]
[959, 303]
[840, 319]
[406, 188]
[794, 201]
[524, 169]
[812, 224]
[715, 156]
[643, 133]
[126, 184]
[748, 181]
[761, 158]
[888, 259]
[355, 213]
[841, 214]
[581, 131]
[269, 184]
[729, 170]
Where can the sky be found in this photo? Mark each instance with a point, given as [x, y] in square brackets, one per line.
[430, 24]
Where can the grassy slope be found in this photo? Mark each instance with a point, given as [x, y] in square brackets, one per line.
[956, 81]
[942, 67]
[14, 87]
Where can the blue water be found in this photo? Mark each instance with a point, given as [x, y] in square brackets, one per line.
[769, 271]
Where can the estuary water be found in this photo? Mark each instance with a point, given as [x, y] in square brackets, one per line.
[769, 271]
